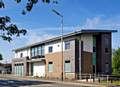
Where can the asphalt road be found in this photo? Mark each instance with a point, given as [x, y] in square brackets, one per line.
[31, 83]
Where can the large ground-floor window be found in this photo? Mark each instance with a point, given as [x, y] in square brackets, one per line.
[19, 69]
[50, 66]
[67, 66]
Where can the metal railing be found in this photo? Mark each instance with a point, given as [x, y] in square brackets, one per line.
[98, 77]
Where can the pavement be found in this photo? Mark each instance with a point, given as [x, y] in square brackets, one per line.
[13, 81]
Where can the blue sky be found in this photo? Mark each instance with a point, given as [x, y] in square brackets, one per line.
[41, 23]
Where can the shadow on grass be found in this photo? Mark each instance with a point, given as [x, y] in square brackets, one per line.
[17, 83]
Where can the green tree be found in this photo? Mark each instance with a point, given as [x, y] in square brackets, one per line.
[1, 58]
[8, 29]
[116, 62]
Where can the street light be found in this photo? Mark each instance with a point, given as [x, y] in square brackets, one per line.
[61, 16]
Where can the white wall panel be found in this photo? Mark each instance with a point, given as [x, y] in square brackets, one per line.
[56, 46]
[25, 52]
[87, 42]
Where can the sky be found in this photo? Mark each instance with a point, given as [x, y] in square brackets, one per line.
[41, 23]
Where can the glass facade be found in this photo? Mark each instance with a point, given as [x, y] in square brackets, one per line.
[37, 51]
[19, 69]
[43, 50]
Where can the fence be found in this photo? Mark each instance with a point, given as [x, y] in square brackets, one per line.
[98, 78]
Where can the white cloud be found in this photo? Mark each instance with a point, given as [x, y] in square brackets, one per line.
[99, 22]
[109, 23]
[92, 23]
[41, 34]
[34, 36]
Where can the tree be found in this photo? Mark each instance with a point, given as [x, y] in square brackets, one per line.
[7, 29]
[116, 62]
[1, 58]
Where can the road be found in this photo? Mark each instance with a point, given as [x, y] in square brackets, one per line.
[14, 81]
[10, 82]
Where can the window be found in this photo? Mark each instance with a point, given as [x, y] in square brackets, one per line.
[106, 50]
[32, 52]
[67, 45]
[106, 67]
[42, 50]
[36, 51]
[50, 66]
[67, 66]
[50, 49]
[94, 49]
[21, 54]
[93, 68]
[39, 50]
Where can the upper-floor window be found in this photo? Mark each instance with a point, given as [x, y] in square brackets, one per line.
[42, 50]
[106, 50]
[38, 50]
[33, 52]
[50, 49]
[21, 54]
[67, 45]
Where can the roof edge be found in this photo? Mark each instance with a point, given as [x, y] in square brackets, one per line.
[67, 35]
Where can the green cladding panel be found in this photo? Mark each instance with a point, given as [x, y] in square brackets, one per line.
[94, 51]
[94, 59]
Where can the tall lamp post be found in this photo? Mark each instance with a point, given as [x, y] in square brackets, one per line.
[61, 16]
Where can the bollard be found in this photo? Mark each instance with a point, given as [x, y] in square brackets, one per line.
[98, 78]
[108, 80]
[90, 77]
[93, 78]
[111, 79]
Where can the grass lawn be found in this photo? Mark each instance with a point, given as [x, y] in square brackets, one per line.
[114, 82]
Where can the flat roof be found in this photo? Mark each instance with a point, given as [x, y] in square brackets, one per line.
[67, 35]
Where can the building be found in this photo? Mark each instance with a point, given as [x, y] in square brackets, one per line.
[5, 68]
[1, 68]
[84, 52]
[8, 68]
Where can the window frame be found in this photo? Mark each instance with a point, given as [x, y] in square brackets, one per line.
[50, 66]
[66, 68]
[50, 50]
[67, 45]
[38, 51]
[106, 50]
[21, 55]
